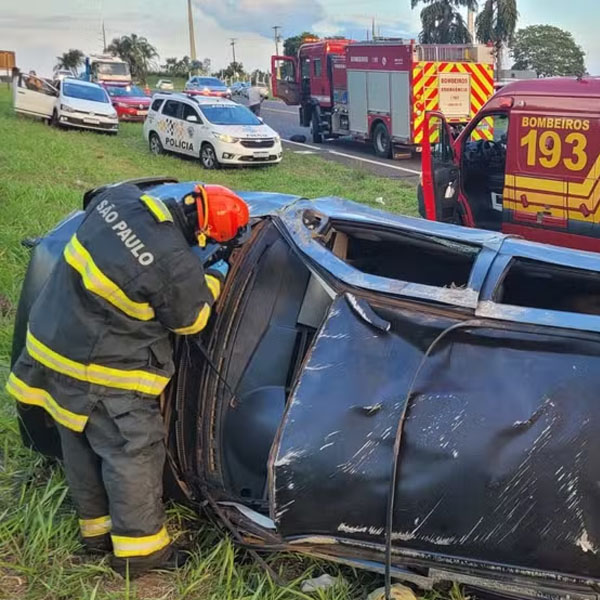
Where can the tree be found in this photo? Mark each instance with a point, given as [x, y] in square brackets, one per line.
[442, 21]
[233, 70]
[135, 50]
[69, 60]
[292, 44]
[496, 24]
[547, 50]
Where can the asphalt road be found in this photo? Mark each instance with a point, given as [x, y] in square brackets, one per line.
[284, 120]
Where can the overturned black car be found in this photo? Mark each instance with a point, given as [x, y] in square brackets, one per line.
[392, 393]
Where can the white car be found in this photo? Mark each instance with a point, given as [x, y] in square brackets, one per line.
[216, 130]
[73, 103]
[164, 84]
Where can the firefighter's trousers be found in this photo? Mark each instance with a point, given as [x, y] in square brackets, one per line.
[114, 470]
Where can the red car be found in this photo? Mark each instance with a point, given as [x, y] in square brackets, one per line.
[129, 101]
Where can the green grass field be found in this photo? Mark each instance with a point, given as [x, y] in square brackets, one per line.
[43, 173]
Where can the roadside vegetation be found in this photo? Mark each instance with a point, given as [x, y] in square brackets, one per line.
[43, 174]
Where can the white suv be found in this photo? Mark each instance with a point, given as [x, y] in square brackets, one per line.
[72, 103]
[217, 131]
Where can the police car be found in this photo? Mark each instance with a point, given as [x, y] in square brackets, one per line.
[217, 130]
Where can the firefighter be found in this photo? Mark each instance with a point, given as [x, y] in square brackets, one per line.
[98, 354]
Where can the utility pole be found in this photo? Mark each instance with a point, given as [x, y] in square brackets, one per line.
[471, 24]
[103, 38]
[275, 29]
[191, 27]
[232, 44]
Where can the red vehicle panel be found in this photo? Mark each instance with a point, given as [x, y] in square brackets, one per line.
[380, 57]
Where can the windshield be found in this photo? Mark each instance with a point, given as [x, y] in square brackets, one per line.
[112, 68]
[209, 82]
[84, 92]
[130, 91]
[227, 114]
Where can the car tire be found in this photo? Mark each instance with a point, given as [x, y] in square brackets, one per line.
[208, 157]
[155, 145]
[315, 127]
[382, 142]
[54, 122]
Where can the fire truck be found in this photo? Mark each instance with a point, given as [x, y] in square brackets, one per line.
[379, 91]
[106, 68]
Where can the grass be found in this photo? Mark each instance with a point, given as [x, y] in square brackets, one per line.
[43, 173]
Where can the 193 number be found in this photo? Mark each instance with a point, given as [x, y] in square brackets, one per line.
[546, 149]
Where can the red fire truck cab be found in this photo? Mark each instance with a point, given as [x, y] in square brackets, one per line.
[379, 91]
[534, 173]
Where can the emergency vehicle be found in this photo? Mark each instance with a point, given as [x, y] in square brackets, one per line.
[106, 68]
[538, 174]
[379, 91]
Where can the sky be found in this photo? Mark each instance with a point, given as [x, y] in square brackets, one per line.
[39, 30]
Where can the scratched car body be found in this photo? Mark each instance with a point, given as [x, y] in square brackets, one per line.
[391, 392]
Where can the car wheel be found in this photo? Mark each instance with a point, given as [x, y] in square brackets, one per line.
[54, 120]
[208, 157]
[155, 145]
[382, 143]
[315, 127]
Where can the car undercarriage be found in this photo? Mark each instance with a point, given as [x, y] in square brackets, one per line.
[404, 396]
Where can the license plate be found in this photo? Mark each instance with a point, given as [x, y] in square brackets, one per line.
[142, 113]
[261, 154]
[92, 121]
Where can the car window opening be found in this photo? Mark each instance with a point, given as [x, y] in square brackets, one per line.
[416, 259]
[275, 303]
[130, 91]
[535, 284]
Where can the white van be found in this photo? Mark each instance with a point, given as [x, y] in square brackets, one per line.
[216, 130]
[70, 103]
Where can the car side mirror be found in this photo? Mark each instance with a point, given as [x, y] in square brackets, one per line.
[192, 118]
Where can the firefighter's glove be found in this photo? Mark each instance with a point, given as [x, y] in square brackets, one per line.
[219, 269]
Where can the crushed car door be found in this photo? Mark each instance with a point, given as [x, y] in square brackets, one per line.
[34, 96]
[497, 463]
[438, 193]
[284, 70]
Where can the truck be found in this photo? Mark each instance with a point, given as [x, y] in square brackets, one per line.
[536, 172]
[106, 68]
[379, 91]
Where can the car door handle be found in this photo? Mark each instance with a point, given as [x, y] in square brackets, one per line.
[20, 92]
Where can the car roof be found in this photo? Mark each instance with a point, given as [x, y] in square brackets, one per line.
[553, 86]
[200, 100]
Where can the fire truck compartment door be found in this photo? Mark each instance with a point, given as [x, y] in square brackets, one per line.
[357, 101]
[400, 104]
[286, 86]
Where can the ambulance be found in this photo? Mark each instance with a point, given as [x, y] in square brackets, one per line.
[379, 91]
[534, 172]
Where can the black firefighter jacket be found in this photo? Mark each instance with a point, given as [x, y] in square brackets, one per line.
[102, 323]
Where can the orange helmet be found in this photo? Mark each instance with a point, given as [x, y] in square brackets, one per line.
[221, 213]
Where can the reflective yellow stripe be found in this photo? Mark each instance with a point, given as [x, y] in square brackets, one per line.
[214, 285]
[198, 325]
[124, 546]
[94, 527]
[157, 208]
[135, 380]
[38, 397]
[98, 283]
